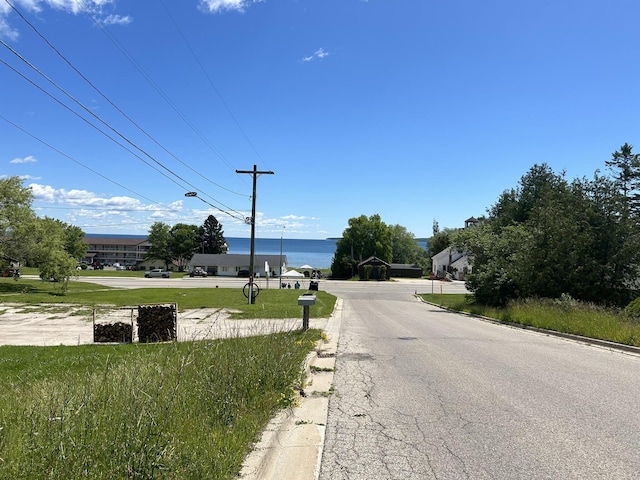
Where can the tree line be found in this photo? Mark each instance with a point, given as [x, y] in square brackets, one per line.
[53, 246]
[370, 236]
[551, 236]
[177, 244]
[56, 248]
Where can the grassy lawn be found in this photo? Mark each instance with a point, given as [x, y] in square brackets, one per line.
[187, 410]
[173, 411]
[567, 316]
[271, 303]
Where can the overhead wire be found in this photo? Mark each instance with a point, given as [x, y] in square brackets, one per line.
[208, 77]
[156, 87]
[98, 118]
[165, 207]
[118, 109]
[154, 202]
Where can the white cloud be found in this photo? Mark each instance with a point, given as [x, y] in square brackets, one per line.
[27, 159]
[94, 7]
[116, 20]
[82, 198]
[319, 53]
[217, 6]
[75, 6]
[6, 31]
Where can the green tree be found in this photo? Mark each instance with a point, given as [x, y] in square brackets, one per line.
[183, 243]
[406, 249]
[159, 238]
[625, 168]
[16, 217]
[365, 237]
[441, 240]
[74, 243]
[495, 258]
[548, 237]
[212, 236]
[48, 251]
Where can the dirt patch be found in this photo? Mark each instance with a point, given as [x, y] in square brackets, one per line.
[48, 325]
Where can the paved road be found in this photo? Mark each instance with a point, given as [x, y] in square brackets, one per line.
[181, 281]
[421, 393]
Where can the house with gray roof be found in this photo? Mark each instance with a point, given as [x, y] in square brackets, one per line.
[229, 264]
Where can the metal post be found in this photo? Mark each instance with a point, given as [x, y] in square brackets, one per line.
[305, 317]
[281, 236]
[255, 174]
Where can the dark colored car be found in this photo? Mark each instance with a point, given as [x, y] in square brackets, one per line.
[243, 273]
[197, 272]
[11, 272]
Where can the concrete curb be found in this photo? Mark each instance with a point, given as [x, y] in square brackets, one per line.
[291, 446]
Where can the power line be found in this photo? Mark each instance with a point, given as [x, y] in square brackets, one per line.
[157, 88]
[88, 110]
[118, 109]
[82, 164]
[204, 71]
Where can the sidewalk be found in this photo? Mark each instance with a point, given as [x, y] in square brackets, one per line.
[291, 445]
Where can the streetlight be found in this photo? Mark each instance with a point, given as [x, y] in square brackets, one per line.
[281, 236]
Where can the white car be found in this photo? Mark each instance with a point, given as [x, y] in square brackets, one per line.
[157, 272]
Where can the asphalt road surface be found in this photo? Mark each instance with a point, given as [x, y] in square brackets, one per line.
[421, 393]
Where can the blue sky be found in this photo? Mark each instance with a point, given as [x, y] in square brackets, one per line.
[417, 110]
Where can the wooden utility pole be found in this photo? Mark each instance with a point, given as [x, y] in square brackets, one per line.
[255, 172]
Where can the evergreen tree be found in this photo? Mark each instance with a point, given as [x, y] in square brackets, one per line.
[625, 167]
[212, 237]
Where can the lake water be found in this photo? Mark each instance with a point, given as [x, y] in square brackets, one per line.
[317, 253]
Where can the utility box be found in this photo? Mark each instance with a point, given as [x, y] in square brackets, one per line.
[307, 300]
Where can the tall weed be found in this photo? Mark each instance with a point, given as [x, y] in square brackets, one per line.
[174, 411]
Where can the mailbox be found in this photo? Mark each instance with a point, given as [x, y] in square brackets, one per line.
[307, 300]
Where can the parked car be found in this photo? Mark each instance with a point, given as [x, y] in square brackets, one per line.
[11, 272]
[157, 272]
[243, 273]
[198, 272]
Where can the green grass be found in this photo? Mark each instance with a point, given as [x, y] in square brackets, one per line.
[564, 315]
[173, 411]
[270, 303]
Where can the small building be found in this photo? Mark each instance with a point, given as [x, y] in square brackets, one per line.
[126, 250]
[373, 268]
[451, 262]
[230, 264]
[405, 270]
[470, 222]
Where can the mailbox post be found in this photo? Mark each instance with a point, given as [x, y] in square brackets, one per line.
[306, 301]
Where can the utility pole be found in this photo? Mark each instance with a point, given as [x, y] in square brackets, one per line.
[280, 276]
[255, 172]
